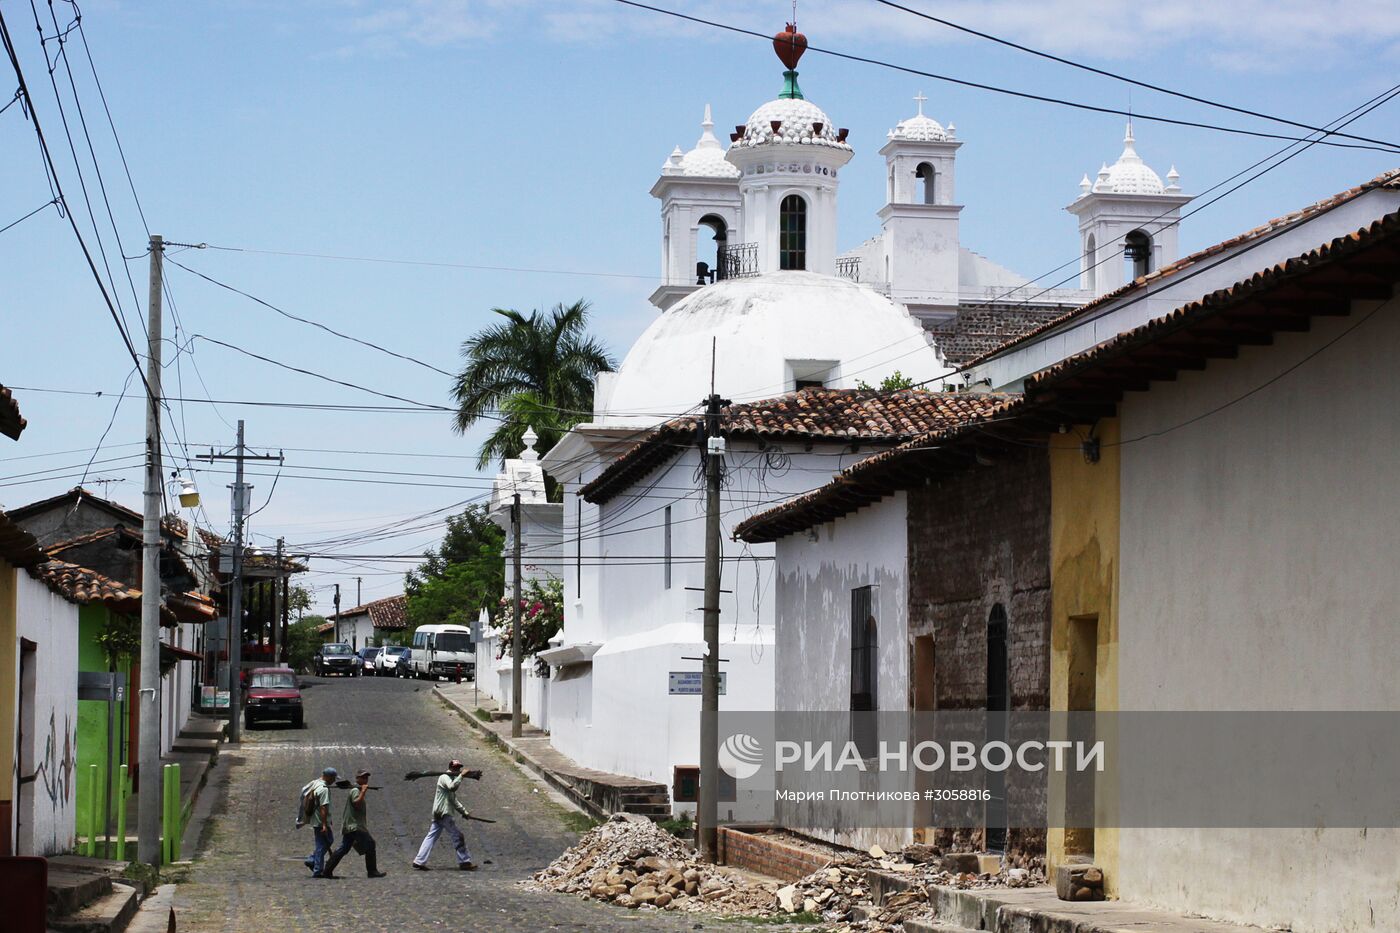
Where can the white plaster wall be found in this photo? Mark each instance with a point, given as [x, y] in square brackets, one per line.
[1258, 573]
[1221, 271]
[813, 638]
[47, 805]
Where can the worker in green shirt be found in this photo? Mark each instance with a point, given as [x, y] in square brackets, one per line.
[354, 830]
[445, 803]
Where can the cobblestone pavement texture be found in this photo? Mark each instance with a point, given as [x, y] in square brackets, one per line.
[249, 877]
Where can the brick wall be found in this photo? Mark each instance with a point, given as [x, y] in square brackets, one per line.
[978, 539]
[767, 855]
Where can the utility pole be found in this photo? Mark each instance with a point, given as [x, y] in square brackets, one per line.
[235, 601]
[359, 600]
[148, 713]
[337, 612]
[708, 810]
[515, 639]
[278, 606]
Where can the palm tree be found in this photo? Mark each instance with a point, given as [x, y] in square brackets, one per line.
[534, 371]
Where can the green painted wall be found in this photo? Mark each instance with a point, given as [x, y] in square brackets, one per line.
[92, 721]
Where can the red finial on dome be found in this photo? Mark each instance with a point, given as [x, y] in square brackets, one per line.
[790, 44]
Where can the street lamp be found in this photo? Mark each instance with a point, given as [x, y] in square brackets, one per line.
[189, 495]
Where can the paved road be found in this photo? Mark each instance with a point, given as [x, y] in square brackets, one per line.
[249, 878]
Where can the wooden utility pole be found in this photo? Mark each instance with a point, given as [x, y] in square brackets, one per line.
[148, 770]
[278, 605]
[708, 810]
[516, 719]
[359, 599]
[241, 492]
[337, 612]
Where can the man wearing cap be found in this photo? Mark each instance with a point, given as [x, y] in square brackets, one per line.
[319, 803]
[445, 802]
[354, 830]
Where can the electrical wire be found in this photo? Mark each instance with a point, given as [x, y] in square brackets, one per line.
[1125, 79]
[1024, 95]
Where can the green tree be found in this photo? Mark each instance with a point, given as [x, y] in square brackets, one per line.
[461, 575]
[536, 371]
[894, 382]
[303, 640]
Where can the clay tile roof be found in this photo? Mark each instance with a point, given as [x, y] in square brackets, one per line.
[210, 539]
[100, 534]
[11, 423]
[1363, 265]
[845, 415]
[18, 547]
[81, 585]
[391, 612]
[1388, 180]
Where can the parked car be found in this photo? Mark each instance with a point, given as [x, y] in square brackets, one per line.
[336, 658]
[387, 662]
[405, 665]
[367, 655]
[273, 693]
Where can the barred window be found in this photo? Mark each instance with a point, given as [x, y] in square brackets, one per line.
[792, 235]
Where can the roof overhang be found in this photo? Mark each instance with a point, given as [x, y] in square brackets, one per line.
[1323, 282]
[12, 424]
[569, 654]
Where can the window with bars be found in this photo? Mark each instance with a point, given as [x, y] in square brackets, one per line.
[792, 233]
[864, 670]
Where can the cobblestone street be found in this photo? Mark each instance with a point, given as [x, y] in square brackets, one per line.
[249, 877]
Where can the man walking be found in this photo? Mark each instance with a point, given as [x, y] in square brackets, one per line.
[445, 802]
[316, 809]
[354, 831]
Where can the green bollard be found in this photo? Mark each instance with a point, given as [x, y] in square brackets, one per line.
[165, 825]
[121, 814]
[177, 815]
[91, 847]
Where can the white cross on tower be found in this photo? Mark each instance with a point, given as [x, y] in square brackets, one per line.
[920, 98]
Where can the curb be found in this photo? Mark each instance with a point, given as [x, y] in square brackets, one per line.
[580, 802]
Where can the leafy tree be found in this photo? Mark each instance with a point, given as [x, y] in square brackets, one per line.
[536, 371]
[461, 575]
[541, 617]
[298, 600]
[894, 382]
[303, 640]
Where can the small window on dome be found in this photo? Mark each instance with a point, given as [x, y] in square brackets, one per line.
[792, 233]
[928, 179]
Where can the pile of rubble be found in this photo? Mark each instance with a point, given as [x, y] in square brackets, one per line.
[631, 862]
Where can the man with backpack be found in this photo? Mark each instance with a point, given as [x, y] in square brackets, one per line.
[445, 802]
[315, 809]
[354, 831]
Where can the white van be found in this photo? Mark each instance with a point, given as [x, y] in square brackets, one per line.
[438, 650]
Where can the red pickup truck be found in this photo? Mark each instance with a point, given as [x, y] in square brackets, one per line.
[273, 693]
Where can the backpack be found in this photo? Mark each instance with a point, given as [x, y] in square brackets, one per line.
[306, 806]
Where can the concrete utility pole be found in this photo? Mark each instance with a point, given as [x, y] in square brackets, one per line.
[235, 600]
[708, 810]
[359, 599]
[515, 638]
[337, 612]
[148, 712]
[278, 606]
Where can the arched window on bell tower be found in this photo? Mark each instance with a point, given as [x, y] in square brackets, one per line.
[792, 233]
[1091, 251]
[1137, 254]
[710, 266]
[928, 179]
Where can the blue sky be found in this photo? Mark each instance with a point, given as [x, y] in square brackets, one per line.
[526, 134]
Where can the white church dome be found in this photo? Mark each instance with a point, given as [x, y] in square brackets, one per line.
[800, 122]
[706, 160]
[1129, 175]
[920, 128]
[767, 330]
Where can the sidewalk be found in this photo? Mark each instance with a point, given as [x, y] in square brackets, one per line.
[596, 792]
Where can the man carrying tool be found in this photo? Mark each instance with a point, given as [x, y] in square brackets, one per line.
[445, 803]
[315, 808]
[354, 831]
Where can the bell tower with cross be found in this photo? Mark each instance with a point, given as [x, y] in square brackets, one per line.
[920, 217]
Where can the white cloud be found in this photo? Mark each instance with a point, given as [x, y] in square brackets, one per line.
[1242, 34]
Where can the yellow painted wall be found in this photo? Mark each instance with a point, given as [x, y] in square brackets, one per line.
[1084, 510]
[9, 689]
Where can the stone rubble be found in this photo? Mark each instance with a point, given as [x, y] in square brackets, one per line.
[631, 862]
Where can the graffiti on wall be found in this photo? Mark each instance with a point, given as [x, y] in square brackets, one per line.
[58, 765]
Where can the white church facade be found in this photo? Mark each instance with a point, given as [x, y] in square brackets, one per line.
[758, 300]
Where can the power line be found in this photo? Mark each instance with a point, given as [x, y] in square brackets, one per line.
[317, 324]
[1127, 80]
[1025, 95]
